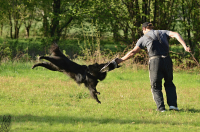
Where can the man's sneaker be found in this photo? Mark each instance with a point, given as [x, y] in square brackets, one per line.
[160, 110]
[173, 108]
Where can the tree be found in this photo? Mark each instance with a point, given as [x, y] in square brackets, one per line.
[189, 19]
[128, 15]
[121, 15]
[29, 15]
[165, 13]
[2, 16]
[58, 15]
[13, 12]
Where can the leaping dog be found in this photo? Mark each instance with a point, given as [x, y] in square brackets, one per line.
[89, 75]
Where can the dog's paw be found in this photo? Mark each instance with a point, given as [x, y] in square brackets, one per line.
[41, 57]
[33, 67]
[98, 93]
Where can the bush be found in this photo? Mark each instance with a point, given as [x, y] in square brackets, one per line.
[5, 51]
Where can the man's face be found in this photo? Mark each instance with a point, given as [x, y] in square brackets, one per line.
[143, 30]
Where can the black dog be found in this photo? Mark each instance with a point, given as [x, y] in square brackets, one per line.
[89, 75]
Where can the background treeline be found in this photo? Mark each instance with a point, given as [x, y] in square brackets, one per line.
[31, 25]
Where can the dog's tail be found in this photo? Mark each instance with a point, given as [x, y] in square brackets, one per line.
[55, 50]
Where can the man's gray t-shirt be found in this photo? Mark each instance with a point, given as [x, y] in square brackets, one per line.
[145, 41]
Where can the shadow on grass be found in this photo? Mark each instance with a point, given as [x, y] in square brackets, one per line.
[192, 110]
[5, 124]
[74, 120]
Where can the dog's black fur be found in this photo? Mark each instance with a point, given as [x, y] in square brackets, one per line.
[89, 75]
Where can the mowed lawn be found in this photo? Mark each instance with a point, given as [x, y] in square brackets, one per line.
[40, 100]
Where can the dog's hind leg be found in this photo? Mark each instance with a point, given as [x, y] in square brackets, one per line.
[46, 65]
[53, 59]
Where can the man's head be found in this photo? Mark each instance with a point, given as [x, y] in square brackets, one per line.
[147, 26]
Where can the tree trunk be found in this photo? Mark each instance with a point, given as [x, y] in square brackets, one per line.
[45, 25]
[55, 21]
[28, 26]
[149, 10]
[1, 28]
[137, 13]
[188, 32]
[17, 27]
[144, 8]
[126, 33]
[115, 31]
[27, 32]
[155, 12]
[11, 26]
[183, 12]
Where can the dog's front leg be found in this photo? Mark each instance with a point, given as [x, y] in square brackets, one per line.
[46, 65]
[94, 93]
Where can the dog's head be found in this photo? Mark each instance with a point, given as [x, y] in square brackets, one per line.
[95, 71]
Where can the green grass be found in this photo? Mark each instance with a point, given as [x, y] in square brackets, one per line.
[40, 100]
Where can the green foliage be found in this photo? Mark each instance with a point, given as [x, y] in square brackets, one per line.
[116, 20]
[90, 48]
[20, 48]
[5, 51]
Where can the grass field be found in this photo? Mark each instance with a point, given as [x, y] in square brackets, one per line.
[44, 101]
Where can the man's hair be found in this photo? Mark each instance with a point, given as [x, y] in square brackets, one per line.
[147, 25]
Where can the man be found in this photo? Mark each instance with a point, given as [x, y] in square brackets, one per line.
[160, 63]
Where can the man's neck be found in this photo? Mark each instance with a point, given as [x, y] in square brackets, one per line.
[147, 30]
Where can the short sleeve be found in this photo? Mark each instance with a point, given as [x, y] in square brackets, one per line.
[165, 32]
[140, 43]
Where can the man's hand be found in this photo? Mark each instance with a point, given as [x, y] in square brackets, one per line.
[118, 60]
[187, 49]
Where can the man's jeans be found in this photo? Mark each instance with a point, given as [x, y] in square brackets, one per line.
[160, 68]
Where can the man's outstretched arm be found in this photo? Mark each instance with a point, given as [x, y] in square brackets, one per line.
[129, 55]
[180, 40]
